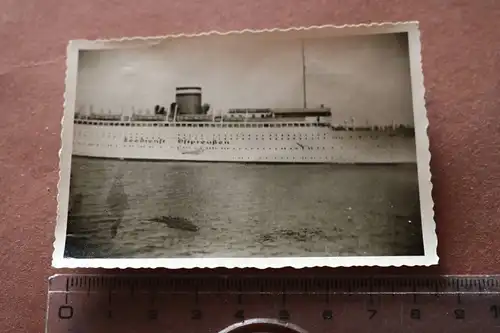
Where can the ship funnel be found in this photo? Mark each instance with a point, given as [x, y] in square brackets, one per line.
[188, 100]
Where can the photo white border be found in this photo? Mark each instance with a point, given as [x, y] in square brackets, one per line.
[429, 236]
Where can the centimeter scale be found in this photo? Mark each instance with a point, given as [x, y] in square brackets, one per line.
[244, 304]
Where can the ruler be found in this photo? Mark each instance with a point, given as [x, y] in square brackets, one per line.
[245, 304]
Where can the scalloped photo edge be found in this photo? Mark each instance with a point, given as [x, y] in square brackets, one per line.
[263, 260]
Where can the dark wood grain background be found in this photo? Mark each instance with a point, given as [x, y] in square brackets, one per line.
[461, 62]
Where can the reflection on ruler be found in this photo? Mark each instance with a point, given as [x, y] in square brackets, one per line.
[190, 303]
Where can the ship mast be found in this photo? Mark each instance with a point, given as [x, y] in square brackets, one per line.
[304, 74]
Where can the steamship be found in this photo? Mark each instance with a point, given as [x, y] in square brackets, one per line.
[188, 130]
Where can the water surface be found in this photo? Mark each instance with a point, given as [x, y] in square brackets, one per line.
[241, 210]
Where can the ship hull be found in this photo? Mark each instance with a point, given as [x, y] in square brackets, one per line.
[231, 143]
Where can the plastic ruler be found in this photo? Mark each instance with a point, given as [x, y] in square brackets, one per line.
[244, 304]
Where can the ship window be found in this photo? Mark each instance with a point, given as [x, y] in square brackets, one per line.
[266, 125]
[127, 124]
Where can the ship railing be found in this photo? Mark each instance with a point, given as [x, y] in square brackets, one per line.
[374, 128]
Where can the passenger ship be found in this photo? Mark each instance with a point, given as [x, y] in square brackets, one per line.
[188, 132]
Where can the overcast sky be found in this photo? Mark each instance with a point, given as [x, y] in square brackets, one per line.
[366, 78]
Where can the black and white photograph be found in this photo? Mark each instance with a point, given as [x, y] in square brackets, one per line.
[294, 147]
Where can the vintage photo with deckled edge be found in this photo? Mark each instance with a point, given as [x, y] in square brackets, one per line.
[299, 147]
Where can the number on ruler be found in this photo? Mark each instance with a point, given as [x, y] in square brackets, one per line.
[459, 314]
[327, 315]
[65, 312]
[240, 314]
[415, 314]
[494, 309]
[284, 315]
[152, 314]
[196, 314]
